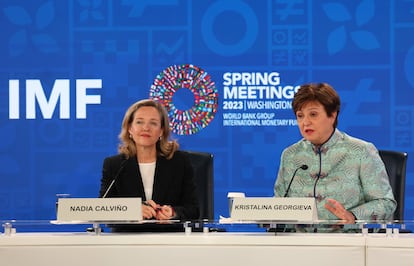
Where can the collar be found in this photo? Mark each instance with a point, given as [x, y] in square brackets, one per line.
[333, 139]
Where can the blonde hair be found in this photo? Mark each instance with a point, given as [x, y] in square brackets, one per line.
[165, 146]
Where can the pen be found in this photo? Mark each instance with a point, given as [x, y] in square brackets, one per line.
[149, 205]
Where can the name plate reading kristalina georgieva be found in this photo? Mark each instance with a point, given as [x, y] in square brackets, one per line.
[274, 209]
[99, 209]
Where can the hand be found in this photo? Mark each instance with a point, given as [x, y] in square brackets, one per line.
[165, 212]
[149, 209]
[339, 211]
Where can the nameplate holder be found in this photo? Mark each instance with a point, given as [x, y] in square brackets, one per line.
[274, 209]
[99, 209]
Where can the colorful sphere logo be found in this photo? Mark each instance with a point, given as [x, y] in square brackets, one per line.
[205, 97]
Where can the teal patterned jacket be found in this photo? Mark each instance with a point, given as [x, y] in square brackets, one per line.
[351, 172]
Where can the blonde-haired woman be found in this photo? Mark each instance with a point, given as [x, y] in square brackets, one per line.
[149, 165]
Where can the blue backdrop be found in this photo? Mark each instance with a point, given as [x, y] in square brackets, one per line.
[69, 70]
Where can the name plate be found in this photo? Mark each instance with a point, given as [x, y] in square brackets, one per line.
[99, 209]
[274, 209]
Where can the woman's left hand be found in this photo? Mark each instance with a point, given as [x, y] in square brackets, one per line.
[339, 211]
[165, 212]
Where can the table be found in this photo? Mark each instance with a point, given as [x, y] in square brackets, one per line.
[382, 250]
[199, 248]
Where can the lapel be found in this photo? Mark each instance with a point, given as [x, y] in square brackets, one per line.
[160, 185]
[132, 172]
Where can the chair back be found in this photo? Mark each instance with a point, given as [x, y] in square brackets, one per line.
[202, 163]
[396, 163]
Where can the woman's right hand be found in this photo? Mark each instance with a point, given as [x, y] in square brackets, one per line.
[149, 209]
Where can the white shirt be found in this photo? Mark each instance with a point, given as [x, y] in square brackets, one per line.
[147, 173]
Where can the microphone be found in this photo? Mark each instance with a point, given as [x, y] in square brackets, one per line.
[115, 178]
[303, 167]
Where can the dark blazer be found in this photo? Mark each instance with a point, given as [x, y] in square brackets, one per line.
[173, 182]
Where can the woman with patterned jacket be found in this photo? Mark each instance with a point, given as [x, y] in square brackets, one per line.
[346, 175]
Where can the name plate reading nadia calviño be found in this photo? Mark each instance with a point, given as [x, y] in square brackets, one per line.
[99, 209]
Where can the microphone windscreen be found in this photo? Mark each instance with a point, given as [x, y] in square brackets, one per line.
[304, 167]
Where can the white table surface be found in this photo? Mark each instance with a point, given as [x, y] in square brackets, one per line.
[180, 249]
